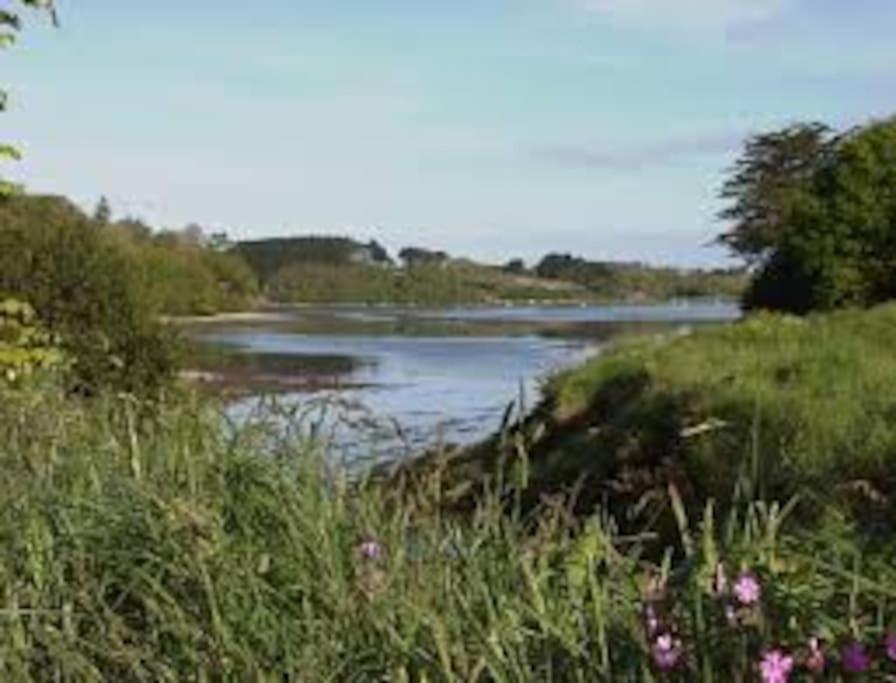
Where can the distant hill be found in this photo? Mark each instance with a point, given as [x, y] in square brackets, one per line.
[321, 269]
[628, 280]
[269, 256]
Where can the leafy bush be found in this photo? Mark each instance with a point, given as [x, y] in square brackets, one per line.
[86, 289]
[26, 349]
[191, 280]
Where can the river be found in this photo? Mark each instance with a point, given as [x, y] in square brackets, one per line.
[385, 382]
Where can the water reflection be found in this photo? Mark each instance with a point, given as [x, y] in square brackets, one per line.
[403, 379]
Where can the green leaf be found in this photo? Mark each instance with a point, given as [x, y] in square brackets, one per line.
[9, 152]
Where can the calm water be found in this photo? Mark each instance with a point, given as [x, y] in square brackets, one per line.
[381, 379]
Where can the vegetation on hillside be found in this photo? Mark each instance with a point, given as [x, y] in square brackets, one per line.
[458, 282]
[268, 257]
[338, 269]
[815, 214]
[610, 280]
[101, 287]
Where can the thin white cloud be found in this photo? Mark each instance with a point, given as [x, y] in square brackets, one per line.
[637, 157]
[688, 15]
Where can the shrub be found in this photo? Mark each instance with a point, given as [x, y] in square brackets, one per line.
[26, 349]
[86, 289]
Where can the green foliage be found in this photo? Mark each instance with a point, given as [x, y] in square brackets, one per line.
[452, 283]
[790, 406]
[26, 349]
[103, 285]
[417, 256]
[817, 216]
[765, 182]
[192, 280]
[168, 549]
[632, 281]
[87, 290]
[268, 257]
[10, 25]
[515, 266]
[320, 269]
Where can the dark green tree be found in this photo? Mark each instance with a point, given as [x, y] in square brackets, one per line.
[515, 267]
[102, 214]
[823, 235]
[770, 175]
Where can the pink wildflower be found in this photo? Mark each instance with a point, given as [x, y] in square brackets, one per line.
[370, 550]
[855, 658]
[666, 651]
[775, 667]
[747, 589]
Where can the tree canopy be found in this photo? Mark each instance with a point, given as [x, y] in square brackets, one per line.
[101, 286]
[765, 181]
[815, 216]
[626, 281]
[267, 257]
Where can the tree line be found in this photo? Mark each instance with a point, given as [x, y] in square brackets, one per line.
[627, 281]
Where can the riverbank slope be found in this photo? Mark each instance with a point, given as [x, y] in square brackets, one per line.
[773, 406]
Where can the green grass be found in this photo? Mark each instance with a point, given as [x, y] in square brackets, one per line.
[787, 406]
[158, 546]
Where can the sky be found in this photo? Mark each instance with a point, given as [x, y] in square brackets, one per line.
[489, 128]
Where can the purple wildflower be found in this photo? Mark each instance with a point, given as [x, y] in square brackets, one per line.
[747, 589]
[855, 658]
[815, 660]
[370, 550]
[890, 644]
[666, 651]
[775, 667]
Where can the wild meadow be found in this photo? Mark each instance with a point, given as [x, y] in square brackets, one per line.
[158, 543]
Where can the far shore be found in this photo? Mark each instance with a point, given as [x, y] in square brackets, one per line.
[252, 316]
[268, 312]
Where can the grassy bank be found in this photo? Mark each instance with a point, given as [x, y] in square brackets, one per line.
[164, 548]
[773, 407]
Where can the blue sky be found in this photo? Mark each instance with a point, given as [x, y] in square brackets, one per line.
[491, 128]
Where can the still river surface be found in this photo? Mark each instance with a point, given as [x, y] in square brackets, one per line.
[382, 382]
